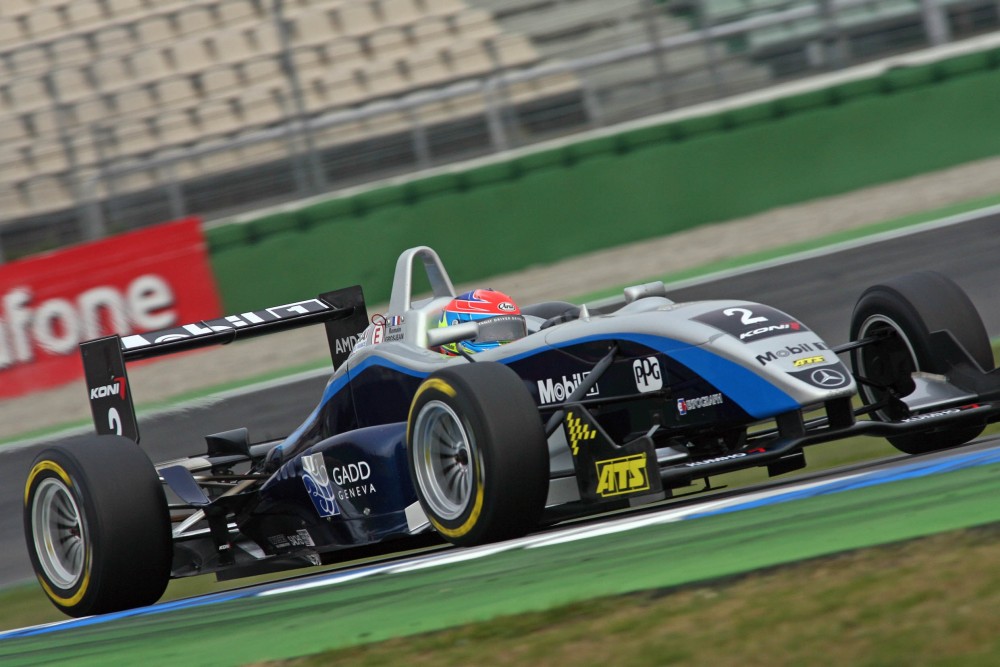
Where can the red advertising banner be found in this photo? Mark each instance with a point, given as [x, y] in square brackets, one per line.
[140, 281]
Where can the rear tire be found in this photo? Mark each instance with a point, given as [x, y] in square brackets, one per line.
[478, 454]
[97, 526]
[913, 306]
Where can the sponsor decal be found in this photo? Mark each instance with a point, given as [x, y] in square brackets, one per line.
[318, 486]
[807, 361]
[751, 322]
[648, 376]
[116, 388]
[506, 306]
[932, 415]
[350, 473]
[578, 431]
[828, 377]
[772, 329]
[790, 351]
[347, 344]
[352, 478]
[393, 334]
[684, 405]
[717, 459]
[626, 474]
[556, 391]
[228, 323]
[387, 320]
[301, 538]
[833, 376]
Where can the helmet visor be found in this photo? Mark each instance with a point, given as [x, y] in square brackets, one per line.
[501, 328]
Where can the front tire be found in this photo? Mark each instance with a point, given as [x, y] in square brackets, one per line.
[911, 307]
[477, 453]
[97, 526]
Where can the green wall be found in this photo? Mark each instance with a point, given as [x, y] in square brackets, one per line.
[633, 185]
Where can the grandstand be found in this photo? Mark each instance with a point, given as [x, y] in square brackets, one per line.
[93, 84]
[120, 113]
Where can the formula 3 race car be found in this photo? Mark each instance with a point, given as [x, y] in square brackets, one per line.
[586, 410]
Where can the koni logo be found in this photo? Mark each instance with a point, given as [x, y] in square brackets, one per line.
[116, 388]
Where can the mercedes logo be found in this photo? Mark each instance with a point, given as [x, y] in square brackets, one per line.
[825, 377]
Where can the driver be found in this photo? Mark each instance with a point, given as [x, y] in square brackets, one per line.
[506, 322]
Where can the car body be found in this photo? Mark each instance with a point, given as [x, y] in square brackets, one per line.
[597, 408]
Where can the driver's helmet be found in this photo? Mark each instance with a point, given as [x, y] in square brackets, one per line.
[478, 305]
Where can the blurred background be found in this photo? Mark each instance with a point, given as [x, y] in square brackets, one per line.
[119, 114]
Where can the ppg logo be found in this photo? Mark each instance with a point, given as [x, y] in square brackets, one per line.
[647, 374]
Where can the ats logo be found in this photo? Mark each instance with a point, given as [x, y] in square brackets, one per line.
[622, 475]
[116, 388]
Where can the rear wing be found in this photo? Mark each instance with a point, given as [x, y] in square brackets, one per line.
[343, 312]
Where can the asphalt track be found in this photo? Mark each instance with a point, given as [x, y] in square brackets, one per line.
[820, 291]
[651, 550]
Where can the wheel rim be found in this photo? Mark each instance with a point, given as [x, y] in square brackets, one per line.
[443, 452]
[59, 533]
[885, 362]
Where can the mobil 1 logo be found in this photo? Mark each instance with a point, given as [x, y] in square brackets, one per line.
[751, 322]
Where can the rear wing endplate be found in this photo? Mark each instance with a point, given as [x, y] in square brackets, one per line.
[343, 312]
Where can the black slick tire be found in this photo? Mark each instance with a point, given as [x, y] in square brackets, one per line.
[97, 526]
[913, 306]
[477, 454]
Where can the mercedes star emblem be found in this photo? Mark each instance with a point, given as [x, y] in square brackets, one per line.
[825, 377]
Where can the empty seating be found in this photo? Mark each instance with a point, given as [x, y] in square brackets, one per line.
[232, 12]
[230, 46]
[135, 101]
[44, 22]
[46, 193]
[70, 84]
[194, 20]
[355, 18]
[260, 106]
[123, 9]
[148, 65]
[71, 50]
[154, 30]
[136, 78]
[135, 136]
[189, 55]
[116, 40]
[399, 12]
[83, 14]
[217, 118]
[27, 93]
[219, 81]
[175, 91]
[110, 73]
[313, 27]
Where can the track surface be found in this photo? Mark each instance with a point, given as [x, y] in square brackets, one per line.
[820, 291]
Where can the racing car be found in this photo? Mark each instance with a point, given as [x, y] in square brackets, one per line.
[584, 410]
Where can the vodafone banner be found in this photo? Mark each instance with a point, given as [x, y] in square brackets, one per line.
[140, 281]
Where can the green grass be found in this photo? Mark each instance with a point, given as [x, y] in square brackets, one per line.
[930, 601]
